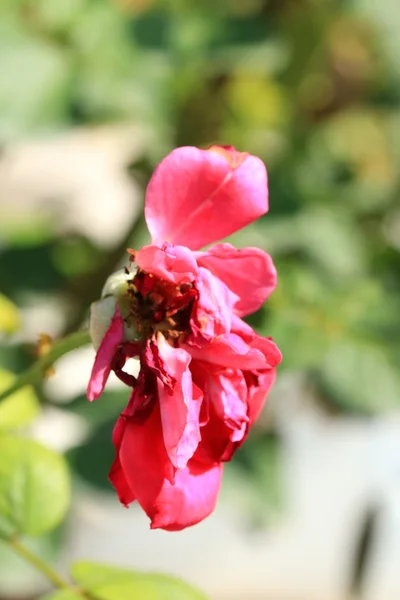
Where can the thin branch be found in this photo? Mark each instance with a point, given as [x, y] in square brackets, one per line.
[36, 372]
[36, 562]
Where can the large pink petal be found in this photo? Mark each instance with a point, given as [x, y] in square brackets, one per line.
[171, 263]
[120, 483]
[117, 475]
[248, 272]
[145, 463]
[196, 197]
[143, 459]
[179, 410]
[231, 351]
[191, 499]
[105, 354]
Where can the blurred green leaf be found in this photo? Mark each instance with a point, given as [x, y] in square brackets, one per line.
[114, 79]
[20, 408]
[111, 583]
[29, 268]
[34, 80]
[34, 487]
[63, 595]
[386, 15]
[257, 101]
[19, 232]
[361, 377]
[333, 241]
[10, 320]
[75, 256]
[53, 17]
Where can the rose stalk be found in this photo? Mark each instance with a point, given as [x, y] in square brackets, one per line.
[204, 373]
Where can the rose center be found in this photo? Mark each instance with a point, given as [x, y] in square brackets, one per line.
[158, 305]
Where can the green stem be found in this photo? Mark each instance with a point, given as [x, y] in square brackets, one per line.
[36, 372]
[56, 579]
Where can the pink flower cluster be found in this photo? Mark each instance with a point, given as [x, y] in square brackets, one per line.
[204, 373]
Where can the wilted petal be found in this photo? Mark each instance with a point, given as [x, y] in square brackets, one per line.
[259, 382]
[227, 392]
[196, 197]
[230, 350]
[105, 354]
[225, 408]
[180, 409]
[213, 308]
[171, 263]
[248, 272]
[265, 345]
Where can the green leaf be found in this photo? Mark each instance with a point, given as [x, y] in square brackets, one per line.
[331, 239]
[18, 409]
[111, 583]
[34, 487]
[10, 320]
[37, 98]
[56, 17]
[63, 595]
[361, 377]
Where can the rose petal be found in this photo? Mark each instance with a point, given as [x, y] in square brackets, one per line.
[105, 354]
[142, 456]
[171, 263]
[196, 197]
[213, 308]
[248, 272]
[190, 500]
[265, 345]
[117, 475]
[216, 444]
[145, 464]
[229, 350]
[179, 410]
[227, 391]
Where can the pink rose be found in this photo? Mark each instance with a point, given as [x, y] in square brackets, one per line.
[204, 373]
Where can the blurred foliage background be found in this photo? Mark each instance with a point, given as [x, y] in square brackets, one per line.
[311, 86]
